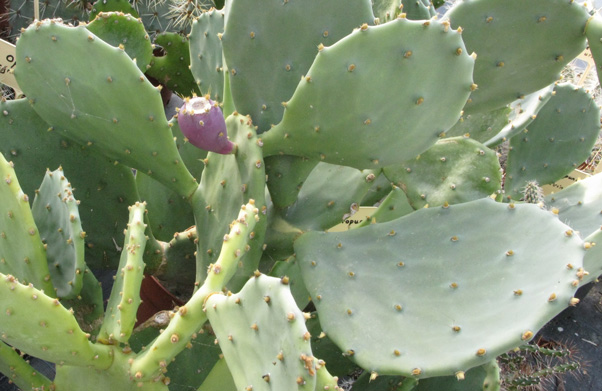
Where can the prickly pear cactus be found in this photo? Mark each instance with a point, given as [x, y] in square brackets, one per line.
[446, 126]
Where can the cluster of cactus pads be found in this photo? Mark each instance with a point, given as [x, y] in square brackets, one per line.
[310, 110]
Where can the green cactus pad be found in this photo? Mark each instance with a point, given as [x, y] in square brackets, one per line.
[18, 370]
[22, 252]
[381, 187]
[524, 111]
[177, 273]
[410, 110]
[227, 182]
[269, 45]
[579, 205]
[556, 142]
[452, 171]
[481, 126]
[117, 28]
[173, 69]
[285, 176]
[206, 53]
[113, 110]
[120, 315]
[509, 66]
[56, 214]
[263, 336]
[328, 194]
[41, 326]
[460, 277]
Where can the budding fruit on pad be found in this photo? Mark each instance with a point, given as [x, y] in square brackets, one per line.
[202, 122]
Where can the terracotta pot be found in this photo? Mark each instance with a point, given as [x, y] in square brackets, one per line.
[154, 298]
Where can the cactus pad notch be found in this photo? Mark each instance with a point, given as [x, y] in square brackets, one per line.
[471, 294]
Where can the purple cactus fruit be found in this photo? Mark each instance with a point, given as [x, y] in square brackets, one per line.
[202, 123]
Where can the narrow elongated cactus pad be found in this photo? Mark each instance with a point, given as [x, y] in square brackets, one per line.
[579, 205]
[471, 280]
[57, 217]
[556, 142]
[389, 104]
[22, 252]
[120, 315]
[113, 110]
[454, 170]
[41, 326]
[521, 46]
[269, 44]
[263, 336]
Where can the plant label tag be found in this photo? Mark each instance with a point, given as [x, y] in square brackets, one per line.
[7, 64]
[568, 180]
[349, 221]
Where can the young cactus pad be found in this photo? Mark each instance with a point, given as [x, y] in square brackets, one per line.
[113, 110]
[22, 252]
[57, 216]
[263, 336]
[202, 122]
[479, 279]
[392, 118]
[122, 307]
